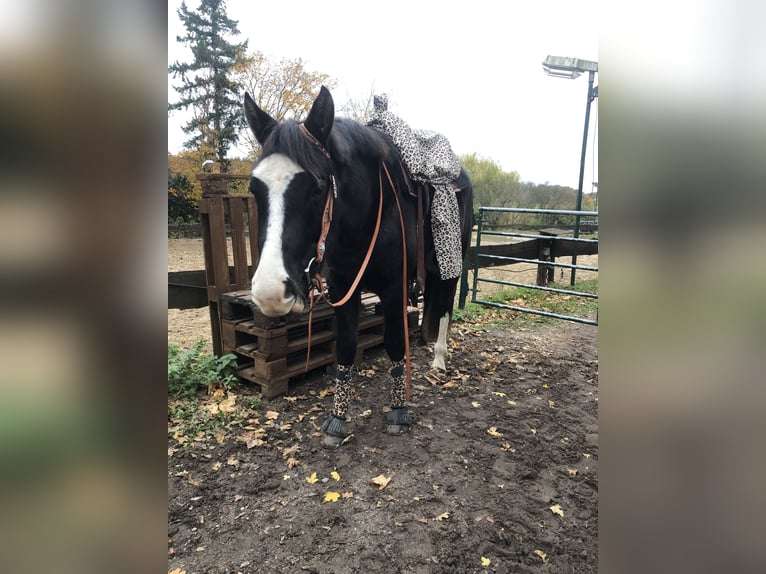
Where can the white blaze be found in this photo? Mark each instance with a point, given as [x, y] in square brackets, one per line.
[268, 285]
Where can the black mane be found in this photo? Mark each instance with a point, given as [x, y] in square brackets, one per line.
[349, 141]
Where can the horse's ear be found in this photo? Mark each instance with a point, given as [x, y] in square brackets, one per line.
[321, 117]
[259, 121]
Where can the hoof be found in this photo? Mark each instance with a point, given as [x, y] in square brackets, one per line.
[397, 429]
[329, 441]
[335, 431]
[399, 421]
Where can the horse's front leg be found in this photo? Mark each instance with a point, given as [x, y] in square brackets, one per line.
[335, 426]
[399, 419]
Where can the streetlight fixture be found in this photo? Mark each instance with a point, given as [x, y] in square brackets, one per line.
[571, 68]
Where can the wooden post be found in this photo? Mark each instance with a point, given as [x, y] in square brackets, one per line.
[545, 273]
[215, 205]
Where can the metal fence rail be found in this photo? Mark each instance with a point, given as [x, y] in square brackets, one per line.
[546, 260]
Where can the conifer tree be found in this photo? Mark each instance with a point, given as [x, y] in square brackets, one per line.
[206, 84]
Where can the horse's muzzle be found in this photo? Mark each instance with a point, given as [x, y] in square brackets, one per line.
[277, 301]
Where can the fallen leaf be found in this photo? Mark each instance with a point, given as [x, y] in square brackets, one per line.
[422, 519]
[492, 431]
[512, 403]
[238, 497]
[499, 394]
[545, 386]
[229, 404]
[475, 404]
[272, 415]
[550, 404]
[366, 413]
[285, 427]
[217, 465]
[335, 475]
[176, 571]
[325, 392]
[232, 461]
[442, 516]
[218, 395]
[556, 509]
[312, 479]
[348, 495]
[572, 471]
[485, 561]
[543, 556]
[331, 497]
[293, 462]
[381, 481]
[288, 452]
[290, 399]
[286, 477]
[533, 431]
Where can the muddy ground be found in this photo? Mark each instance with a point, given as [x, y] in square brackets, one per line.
[498, 474]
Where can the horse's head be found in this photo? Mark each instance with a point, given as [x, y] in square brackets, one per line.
[290, 182]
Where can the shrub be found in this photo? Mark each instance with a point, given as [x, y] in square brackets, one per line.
[191, 370]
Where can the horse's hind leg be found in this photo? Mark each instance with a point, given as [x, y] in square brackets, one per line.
[437, 313]
[440, 347]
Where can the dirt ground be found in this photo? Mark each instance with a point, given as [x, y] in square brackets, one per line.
[498, 474]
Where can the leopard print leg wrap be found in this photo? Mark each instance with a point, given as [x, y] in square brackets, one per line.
[342, 398]
[398, 392]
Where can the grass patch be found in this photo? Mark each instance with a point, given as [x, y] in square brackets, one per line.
[559, 303]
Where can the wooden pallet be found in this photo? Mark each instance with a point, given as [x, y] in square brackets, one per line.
[271, 351]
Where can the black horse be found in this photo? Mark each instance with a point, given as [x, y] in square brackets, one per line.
[332, 193]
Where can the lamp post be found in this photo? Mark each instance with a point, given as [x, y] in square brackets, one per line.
[571, 68]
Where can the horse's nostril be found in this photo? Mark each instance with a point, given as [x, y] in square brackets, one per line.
[289, 290]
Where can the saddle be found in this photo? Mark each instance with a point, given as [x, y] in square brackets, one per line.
[423, 193]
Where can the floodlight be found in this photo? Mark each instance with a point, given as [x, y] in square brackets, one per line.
[562, 67]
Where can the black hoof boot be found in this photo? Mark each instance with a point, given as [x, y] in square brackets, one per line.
[335, 431]
[399, 421]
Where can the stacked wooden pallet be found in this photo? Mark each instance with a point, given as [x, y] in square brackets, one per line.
[271, 351]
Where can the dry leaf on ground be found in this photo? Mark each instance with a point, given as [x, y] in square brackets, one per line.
[381, 481]
[331, 496]
[556, 509]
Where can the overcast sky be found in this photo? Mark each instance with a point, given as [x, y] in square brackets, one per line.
[470, 70]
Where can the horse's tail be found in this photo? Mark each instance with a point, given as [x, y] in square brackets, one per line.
[439, 295]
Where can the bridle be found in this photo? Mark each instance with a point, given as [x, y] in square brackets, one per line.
[315, 281]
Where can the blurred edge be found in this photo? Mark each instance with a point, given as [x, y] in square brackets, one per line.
[682, 124]
[682, 319]
[83, 260]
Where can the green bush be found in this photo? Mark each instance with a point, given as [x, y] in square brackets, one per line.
[192, 370]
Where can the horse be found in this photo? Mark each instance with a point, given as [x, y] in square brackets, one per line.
[368, 241]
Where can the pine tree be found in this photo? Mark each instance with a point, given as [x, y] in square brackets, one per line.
[206, 84]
